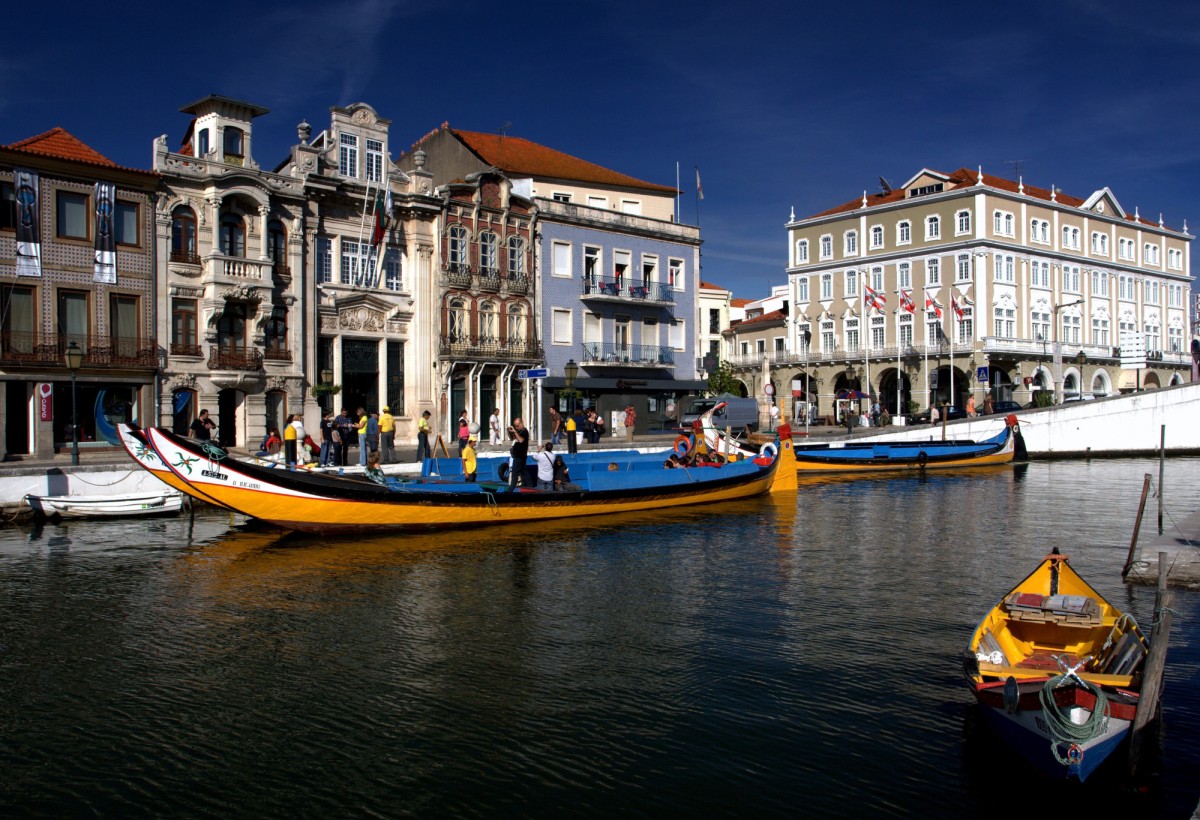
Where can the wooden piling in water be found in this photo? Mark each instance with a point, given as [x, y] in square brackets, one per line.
[1137, 526]
[1149, 703]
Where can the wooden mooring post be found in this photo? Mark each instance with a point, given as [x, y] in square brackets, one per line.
[1149, 708]
[1162, 458]
[1137, 526]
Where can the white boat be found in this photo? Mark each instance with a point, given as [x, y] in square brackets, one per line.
[154, 502]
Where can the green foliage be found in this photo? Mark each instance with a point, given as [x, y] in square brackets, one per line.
[319, 390]
[1043, 398]
[722, 380]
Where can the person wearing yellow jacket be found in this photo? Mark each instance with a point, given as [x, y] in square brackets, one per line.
[387, 436]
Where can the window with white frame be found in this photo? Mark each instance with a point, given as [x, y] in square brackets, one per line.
[357, 261]
[850, 243]
[489, 324]
[933, 328]
[1039, 324]
[324, 259]
[827, 246]
[962, 222]
[760, 346]
[560, 322]
[962, 268]
[1174, 259]
[966, 326]
[1150, 254]
[1099, 243]
[1175, 338]
[1004, 322]
[458, 253]
[621, 263]
[393, 269]
[597, 201]
[1174, 295]
[828, 340]
[1152, 293]
[560, 259]
[802, 344]
[560, 196]
[904, 232]
[904, 275]
[1071, 328]
[878, 332]
[1039, 231]
[675, 274]
[876, 236]
[631, 206]
[1070, 238]
[676, 334]
[1125, 287]
[1005, 267]
[1039, 273]
[1002, 223]
[826, 286]
[933, 227]
[905, 327]
[592, 331]
[877, 278]
[1125, 248]
[1153, 337]
[1071, 279]
[489, 261]
[851, 284]
[802, 290]
[933, 272]
[801, 251]
[851, 328]
[516, 257]
[374, 158]
[1100, 330]
[348, 155]
[592, 258]
[1099, 283]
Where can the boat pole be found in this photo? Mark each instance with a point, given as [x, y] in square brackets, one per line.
[1137, 526]
[1149, 703]
[1162, 457]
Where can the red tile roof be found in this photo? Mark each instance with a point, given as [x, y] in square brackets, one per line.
[740, 302]
[515, 155]
[962, 178]
[58, 143]
[773, 316]
[710, 286]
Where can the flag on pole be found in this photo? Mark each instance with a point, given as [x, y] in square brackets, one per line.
[873, 298]
[958, 311]
[380, 218]
[699, 187]
[906, 301]
[931, 304]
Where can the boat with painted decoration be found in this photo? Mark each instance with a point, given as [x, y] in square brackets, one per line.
[118, 505]
[1057, 671]
[324, 503]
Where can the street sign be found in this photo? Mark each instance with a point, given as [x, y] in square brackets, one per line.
[532, 373]
[1133, 351]
[981, 374]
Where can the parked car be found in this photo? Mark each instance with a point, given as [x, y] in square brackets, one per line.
[1005, 407]
[951, 413]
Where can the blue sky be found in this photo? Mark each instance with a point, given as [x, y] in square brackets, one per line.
[780, 105]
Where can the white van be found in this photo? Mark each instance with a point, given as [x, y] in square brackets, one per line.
[738, 413]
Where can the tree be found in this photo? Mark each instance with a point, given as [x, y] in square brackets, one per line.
[722, 381]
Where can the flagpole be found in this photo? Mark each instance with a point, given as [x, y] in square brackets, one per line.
[361, 225]
[953, 331]
[925, 357]
[899, 375]
[678, 216]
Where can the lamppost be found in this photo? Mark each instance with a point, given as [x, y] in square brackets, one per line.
[1058, 348]
[570, 371]
[74, 358]
[326, 382]
[1080, 361]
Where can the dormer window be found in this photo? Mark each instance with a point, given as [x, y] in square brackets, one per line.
[202, 146]
[374, 161]
[348, 155]
[233, 147]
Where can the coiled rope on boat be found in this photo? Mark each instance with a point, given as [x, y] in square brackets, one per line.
[1062, 729]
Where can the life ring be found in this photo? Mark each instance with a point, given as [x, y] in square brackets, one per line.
[503, 472]
[922, 459]
[683, 441]
[769, 450]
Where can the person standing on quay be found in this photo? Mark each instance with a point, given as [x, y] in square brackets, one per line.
[363, 449]
[423, 451]
[519, 453]
[630, 422]
[572, 434]
[496, 436]
[464, 430]
[387, 436]
[556, 428]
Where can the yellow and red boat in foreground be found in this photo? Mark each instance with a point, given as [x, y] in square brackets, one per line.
[1057, 670]
[300, 500]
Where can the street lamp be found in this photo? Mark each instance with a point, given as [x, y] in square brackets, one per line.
[570, 371]
[74, 358]
[1058, 347]
[1080, 361]
[326, 381]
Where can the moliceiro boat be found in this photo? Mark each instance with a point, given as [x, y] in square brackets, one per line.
[868, 456]
[133, 439]
[1057, 671]
[322, 503]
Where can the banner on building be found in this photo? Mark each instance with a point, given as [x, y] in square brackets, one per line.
[105, 269]
[29, 229]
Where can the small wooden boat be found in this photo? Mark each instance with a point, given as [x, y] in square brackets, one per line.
[122, 505]
[868, 456]
[133, 439]
[1057, 670]
[323, 503]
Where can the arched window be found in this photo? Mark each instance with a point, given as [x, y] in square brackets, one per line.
[515, 332]
[457, 251]
[231, 328]
[275, 334]
[489, 261]
[233, 235]
[488, 329]
[183, 235]
[233, 146]
[457, 320]
[277, 242]
[516, 257]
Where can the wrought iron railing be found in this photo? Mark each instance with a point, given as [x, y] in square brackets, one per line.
[219, 359]
[181, 349]
[629, 354]
[626, 288]
[495, 349]
[50, 350]
[185, 257]
[277, 355]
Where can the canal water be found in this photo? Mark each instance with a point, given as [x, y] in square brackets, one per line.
[774, 657]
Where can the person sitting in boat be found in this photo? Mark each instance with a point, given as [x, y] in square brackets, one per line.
[374, 472]
[544, 459]
[562, 476]
[271, 444]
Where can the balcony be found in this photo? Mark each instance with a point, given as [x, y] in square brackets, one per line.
[489, 349]
[621, 289]
[185, 257]
[181, 349]
[48, 350]
[518, 284]
[457, 276]
[237, 268]
[489, 281]
[245, 360]
[277, 355]
[461, 277]
[282, 275]
[627, 355]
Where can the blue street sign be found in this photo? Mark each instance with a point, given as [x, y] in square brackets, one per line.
[981, 374]
[532, 373]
